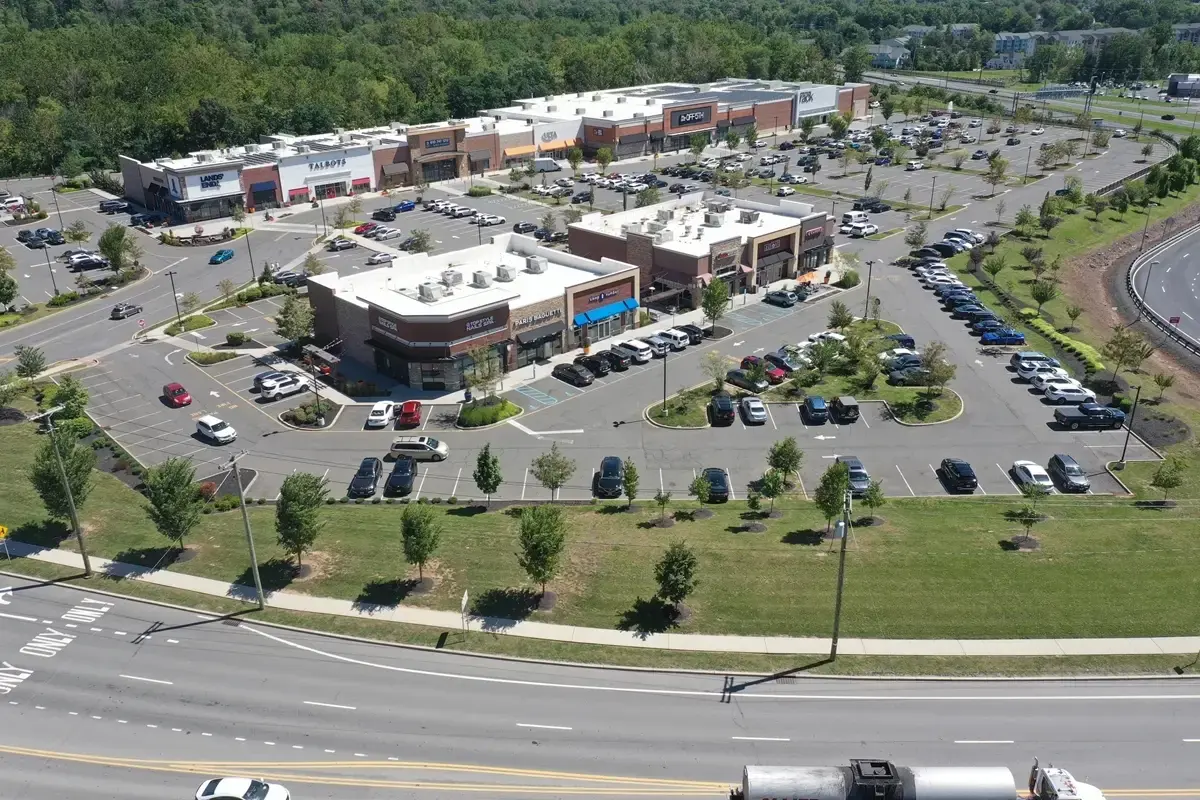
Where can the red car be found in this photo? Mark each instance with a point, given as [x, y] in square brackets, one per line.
[410, 413]
[366, 227]
[774, 374]
[176, 395]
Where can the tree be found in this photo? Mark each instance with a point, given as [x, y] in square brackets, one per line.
[662, 500]
[873, 498]
[265, 277]
[190, 302]
[1123, 349]
[1025, 219]
[887, 107]
[552, 469]
[1119, 200]
[419, 241]
[838, 126]
[867, 178]
[915, 238]
[575, 158]
[830, 496]
[77, 461]
[1163, 381]
[10, 388]
[648, 197]
[118, 245]
[807, 126]
[1100, 138]
[997, 172]
[486, 370]
[549, 221]
[733, 139]
[1073, 313]
[1169, 475]
[944, 198]
[1048, 222]
[629, 481]
[295, 320]
[313, 265]
[604, 157]
[855, 61]
[714, 365]
[341, 217]
[975, 257]
[226, 287]
[771, 485]
[700, 488]
[675, 573]
[751, 135]
[840, 317]
[876, 311]
[696, 145]
[72, 395]
[8, 290]
[30, 361]
[420, 533]
[516, 175]
[298, 513]
[1042, 292]
[1147, 151]
[543, 537]
[714, 301]
[488, 476]
[938, 369]
[823, 355]
[175, 502]
[238, 215]
[960, 158]
[1000, 206]
[571, 215]
[77, 232]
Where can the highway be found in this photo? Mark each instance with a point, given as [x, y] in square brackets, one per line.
[1170, 286]
[110, 697]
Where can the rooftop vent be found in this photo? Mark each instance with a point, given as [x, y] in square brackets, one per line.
[579, 112]
[666, 214]
[251, 148]
[506, 273]
[481, 279]
[608, 112]
[714, 219]
[536, 264]
[622, 99]
[650, 101]
[551, 108]
[664, 236]
[203, 158]
[277, 145]
[430, 292]
[654, 226]
[452, 277]
[526, 106]
[345, 137]
[747, 217]
[632, 227]
[638, 114]
[301, 148]
[596, 98]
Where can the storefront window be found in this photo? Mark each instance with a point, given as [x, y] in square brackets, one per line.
[441, 170]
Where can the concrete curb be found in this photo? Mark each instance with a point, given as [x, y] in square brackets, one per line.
[962, 406]
[646, 413]
[305, 429]
[477, 428]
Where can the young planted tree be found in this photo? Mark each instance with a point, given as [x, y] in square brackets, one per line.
[542, 536]
[714, 302]
[830, 496]
[420, 533]
[1073, 313]
[675, 573]
[732, 140]
[552, 469]
[997, 172]
[77, 232]
[575, 158]
[823, 355]
[662, 500]
[1147, 151]
[960, 158]
[840, 317]
[700, 489]
[873, 498]
[648, 197]
[30, 361]
[1042, 292]
[604, 157]
[751, 135]
[944, 197]
[226, 287]
[807, 126]
[715, 366]
[190, 302]
[119, 246]
[487, 475]
[915, 238]
[1025, 220]
[1123, 349]
[877, 311]
[174, 499]
[1000, 206]
[975, 257]
[78, 462]
[1169, 475]
[549, 221]
[295, 320]
[419, 241]
[9, 290]
[486, 370]
[697, 145]
[298, 513]
[630, 481]
[771, 485]
[993, 265]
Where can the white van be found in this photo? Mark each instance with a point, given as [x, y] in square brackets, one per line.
[678, 339]
[638, 351]
[659, 346]
[420, 448]
[854, 217]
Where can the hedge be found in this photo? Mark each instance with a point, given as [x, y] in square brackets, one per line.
[193, 323]
[206, 358]
[479, 191]
[1084, 352]
[486, 412]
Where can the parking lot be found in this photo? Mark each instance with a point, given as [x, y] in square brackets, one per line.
[256, 320]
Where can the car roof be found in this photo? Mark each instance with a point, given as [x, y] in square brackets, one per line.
[382, 404]
[409, 405]
[209, 419]
[850, 461]
[173, 386]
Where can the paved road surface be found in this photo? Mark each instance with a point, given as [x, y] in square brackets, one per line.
[135, 701]
[1170, 286]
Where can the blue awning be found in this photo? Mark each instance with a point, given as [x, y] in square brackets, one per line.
[262, 186]
[605, 312]
[631, 304]
[581, 320]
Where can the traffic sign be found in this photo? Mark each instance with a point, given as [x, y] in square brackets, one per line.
[1174, 320]
[3, 532]
[141, 323]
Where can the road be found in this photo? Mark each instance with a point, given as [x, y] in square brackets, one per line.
[1170, 285]
[137, 701]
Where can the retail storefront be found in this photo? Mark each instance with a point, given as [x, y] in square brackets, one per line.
[394, 175]
[631, 144]
[203, 193]
[537, 330]
[602, 312]
[816, 250]
[314, 175]
[682, 123]
[774, 259]
[433, 355]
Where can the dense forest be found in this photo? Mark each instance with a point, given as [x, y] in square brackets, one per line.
[84, 80]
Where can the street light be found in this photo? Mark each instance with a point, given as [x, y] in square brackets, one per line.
[1146, 285]
[1129, 425]
[843, 529]
[250, 252]
[50, 266]
[870, 269]
[48, 415]
[237, 475]
[1027, 157]
[932, 189]
[175, 297]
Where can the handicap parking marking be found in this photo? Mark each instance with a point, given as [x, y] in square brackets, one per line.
[536, 395]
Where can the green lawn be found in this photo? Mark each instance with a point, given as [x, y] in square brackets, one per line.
[687, 409]
[193, 323]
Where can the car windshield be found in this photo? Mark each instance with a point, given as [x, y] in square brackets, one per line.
[178, 390]
[434, 444]
[366, 468]
[378, 412]
[404, 466]
[1072, 469]
[219, 425]
[256, 791]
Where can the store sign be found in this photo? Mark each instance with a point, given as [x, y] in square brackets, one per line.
[549, 136]
[598, 132]
[538, 317]
[770, 247]
[694, 116]
[212, 181]
[813, 233]
[387, 323]
[480, 324]
[432, 144]
[607, 293]
[805, 97]
[314, 166]
[724, 256]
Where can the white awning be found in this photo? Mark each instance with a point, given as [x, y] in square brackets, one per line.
[327, 177]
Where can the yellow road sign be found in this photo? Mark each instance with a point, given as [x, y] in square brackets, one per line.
[3, 532]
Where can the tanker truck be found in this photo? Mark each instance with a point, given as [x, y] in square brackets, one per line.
[872, 779]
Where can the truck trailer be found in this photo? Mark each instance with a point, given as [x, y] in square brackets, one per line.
[876, 779]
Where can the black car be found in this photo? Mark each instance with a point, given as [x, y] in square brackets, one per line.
[25, 236]
[339, 243]
[871, 206]
[366, 480]
[617, 362]
[113, 206]
[124, 311]
[610, 478]
[404, 475]
[908, 376]
[1066, 472]
[958, 476]
[694, 333]
[1012, 140]
[573, 373]
[903, 340]
[718, 484]
[582, 197]
[786, 146]
[36, 244]
[942, 249]
[559, 236]
[599, 367]
[720, 408]
[384, 215]
[675, 188]
[54, 238]
[542, 233]
[290, 278]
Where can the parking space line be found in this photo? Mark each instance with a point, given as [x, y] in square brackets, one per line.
[800, 481]
[771, 416]
[732, 496]
[910, 489]
[1008, 478]
[524, 482]
[660, 479]
[420, 488]
[863, 417]
[454, 490]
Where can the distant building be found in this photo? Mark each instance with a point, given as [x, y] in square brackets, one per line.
[959, 30]
[1183, 85]
[889, 56]
[1187, 32]
[1011, 50]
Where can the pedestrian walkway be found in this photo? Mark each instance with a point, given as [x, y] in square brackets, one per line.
[815, 646]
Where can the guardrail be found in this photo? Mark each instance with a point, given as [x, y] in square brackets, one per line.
[1189, 343]
[1133, 176]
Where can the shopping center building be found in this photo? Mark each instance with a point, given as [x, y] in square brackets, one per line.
[423, 319]
[281, 169]
[681, 245]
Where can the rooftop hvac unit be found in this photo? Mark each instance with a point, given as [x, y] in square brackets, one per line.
[251, 148]
[161, 161]
[622, 99]
[608, 112]
[339, 131]
[579, 112]
[596, 98]
[506, 273]
[714, 219]
[654, 226]
[481, 279]
[345, 137]
[277, 145]
[430, 292]
[452, 277]
[579, 95]
[650, 101]
[536, 264]
[666, 214]
[748, 217]
[526, 106]
[203, 158]
[637, 114]
[687, 231]
[551, 108]
[666, 235]
[301, 148]
[632, 227]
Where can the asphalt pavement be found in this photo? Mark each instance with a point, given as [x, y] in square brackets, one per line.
[1168, 284]
[138, 701]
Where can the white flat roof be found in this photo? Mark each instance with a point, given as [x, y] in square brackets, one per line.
[394, 288]
[685, 221]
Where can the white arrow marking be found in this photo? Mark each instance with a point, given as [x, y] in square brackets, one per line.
[738, 344]
[198, 335]
[5, 593]
[215, 394]
[167, 357]
[239, 323]
[760, 349]
[134, 355]
[251, 330]
[977, 361]
[822, 437]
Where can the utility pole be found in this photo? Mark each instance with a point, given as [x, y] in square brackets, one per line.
[57, 210]
[175, 297]
[932, 189]
[237, 476]
[1028, 155]
[870, 269]
[1129, 425]
[50, 267]
[250, 252]
[48, 415]
[665, 355]
[844, 524]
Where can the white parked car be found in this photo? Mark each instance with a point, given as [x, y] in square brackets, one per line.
[977, 238]
[1120, 133]
[732, 167]
[1044, 382]
[784, 191]
[241, 789]
[380, 258]
[710, 163]
[761, 143]
[490, 219]
[827, 336]
[913, 166]
[566, 183]
[888, 356]
[743, 156]
[292, 383]
[861, 229]
[1028, 369]
[975, 124]
[931, 281]
[636, 188]
[375, 233]
[390, 233]
[542, 190]
[215, 430]
[382, 414]
[1029, 473]
[967, 138]
[1037, 131]
[1070, 395]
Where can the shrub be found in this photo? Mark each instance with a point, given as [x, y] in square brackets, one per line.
[479, 191]
[226, 502]
[453, 500]
[343, 499]
[79, 427]
[437, 501]
[1028, 313]
[1087, 354]
[423, 501]
[486, 412]
[208, 358]
[376, 501]
[307, 413]
[249, 295]
[261, 501]
[1122, 402]
[849, 279]
[207, 490]
[358, 501]
[206, 510]
[330, 501]
[236, 339]
[64, 299]
[388, 500]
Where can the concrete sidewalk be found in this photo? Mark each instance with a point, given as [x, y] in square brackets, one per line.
[295, 601]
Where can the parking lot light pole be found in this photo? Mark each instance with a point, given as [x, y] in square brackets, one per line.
[250, 252]
[50, 266]
[841, 577]
[664, 405]
[1027, 157]
[932, 189]
[58, 211]
[237, 476]
[1146, 285]
[1129, 425]
[48, 415]
[175, 296]
[870, 269]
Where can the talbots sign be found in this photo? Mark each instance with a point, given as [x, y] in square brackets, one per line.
[332, 163]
